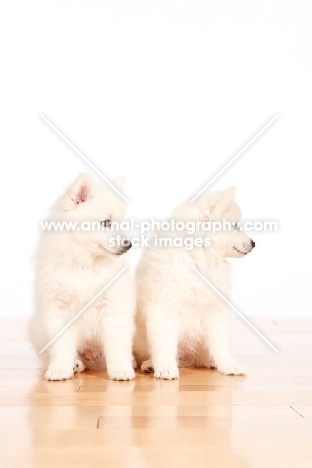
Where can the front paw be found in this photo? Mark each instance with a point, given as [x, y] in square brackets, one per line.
[121, 374]
[167, 373]
[58, 373]
[231, 367]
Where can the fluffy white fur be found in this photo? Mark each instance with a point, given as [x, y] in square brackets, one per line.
[180, 320]
[71, 268]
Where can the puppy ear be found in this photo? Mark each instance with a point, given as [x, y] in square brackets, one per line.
[222, 201]
[119, 182]
[227, 196]
[81, 189]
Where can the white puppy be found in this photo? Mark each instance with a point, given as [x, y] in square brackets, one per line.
[71, 268]
[181, 321]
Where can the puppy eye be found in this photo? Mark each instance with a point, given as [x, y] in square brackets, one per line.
[106, 223]
[236, 227]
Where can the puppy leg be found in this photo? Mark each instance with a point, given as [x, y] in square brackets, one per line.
[62, 352]
[218, 338]
[117, 337]
[163, 341]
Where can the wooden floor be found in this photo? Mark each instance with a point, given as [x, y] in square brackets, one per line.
[202, 420]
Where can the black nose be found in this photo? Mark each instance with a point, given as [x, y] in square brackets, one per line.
[253, 244]
[128, 246]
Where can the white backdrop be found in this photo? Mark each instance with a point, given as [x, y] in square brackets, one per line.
[164, 93]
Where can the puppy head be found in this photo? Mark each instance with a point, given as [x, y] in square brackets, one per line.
[85, 201]
[218, 207]
[221, 206]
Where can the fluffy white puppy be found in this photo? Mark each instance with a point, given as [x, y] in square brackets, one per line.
[181, 321]
[71, 267]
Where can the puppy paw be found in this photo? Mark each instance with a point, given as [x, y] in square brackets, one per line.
[126, 374]
[147, 366]
[78, 366]
[211, 363]
[167, 374]
[231, 368]
[57, 373]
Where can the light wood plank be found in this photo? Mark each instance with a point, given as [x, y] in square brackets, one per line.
[159, 456]
[202, 419]
[141, 437]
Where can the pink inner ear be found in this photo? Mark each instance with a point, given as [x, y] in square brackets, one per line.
[82, 195]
